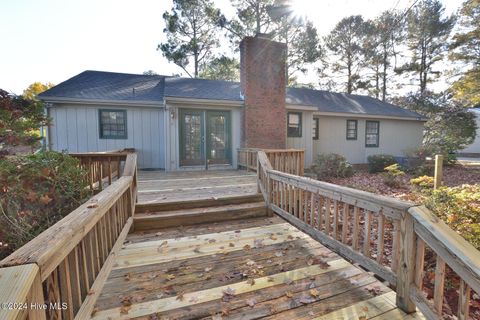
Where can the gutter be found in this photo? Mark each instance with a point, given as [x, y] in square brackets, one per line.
[127, 103]
[214, 102]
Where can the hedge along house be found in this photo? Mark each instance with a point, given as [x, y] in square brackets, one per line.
[183, 124]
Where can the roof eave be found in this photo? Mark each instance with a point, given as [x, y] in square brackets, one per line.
[138, 103]
[217, 102]
[365, 115]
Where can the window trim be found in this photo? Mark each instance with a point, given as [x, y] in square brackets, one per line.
[100, 125]
[356, 129]
[378, 134]
[317, 132]
[300, 125]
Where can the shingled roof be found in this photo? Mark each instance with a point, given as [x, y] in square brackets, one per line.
[105, 86]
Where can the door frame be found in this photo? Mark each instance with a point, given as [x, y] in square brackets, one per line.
[205, 148]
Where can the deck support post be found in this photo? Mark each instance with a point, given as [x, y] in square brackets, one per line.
[437, 182]
[406, 265]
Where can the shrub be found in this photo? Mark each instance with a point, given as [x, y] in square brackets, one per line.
[378, 162]
[459, 207]
[35, 192]
[423, 182]
[418, 165]
[332, 165]
[392, 174]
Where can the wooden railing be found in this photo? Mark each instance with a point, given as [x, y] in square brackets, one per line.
[67, 264]
[102, 167]
[285, 160]
[384, 235]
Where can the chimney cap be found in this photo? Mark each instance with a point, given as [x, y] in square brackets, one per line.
[268, 36]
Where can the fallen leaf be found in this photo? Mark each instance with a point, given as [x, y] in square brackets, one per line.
[228, 294]
[196, 250]
[90, 292]
[289, 294]
[306, 300]
[273, 237]
[270, 279]
[258, 243]
[170, 276]
[126, 301]
[180, 296]
[94, 311]
[314, 293]
[212, 240]
[92, 204]
[124, 310]
[288, 281]
[251, 302]
[246, 247]
[164, 243]
[208, 269]
[279, 254]
[251, 281]
[231, 244]
[127, 277]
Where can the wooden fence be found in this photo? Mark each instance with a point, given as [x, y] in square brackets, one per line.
[285, 160]
[102, 167]
[384, 235]
[69, 262]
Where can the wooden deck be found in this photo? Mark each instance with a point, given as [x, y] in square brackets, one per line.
[159, 186]
[245, 269]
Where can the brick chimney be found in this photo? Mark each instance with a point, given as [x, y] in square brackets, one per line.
[262, 76]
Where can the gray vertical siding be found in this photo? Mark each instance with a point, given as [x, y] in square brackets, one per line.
[75, 128]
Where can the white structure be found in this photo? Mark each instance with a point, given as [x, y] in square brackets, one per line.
[474, 148]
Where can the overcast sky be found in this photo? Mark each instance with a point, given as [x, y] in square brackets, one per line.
[53, 40]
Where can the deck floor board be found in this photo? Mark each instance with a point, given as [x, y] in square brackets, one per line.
[160, 186]
[271, 268]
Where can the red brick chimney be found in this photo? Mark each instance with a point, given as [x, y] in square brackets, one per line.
[262, 76]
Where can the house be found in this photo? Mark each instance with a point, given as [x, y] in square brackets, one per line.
[182, 123]
[474, 148]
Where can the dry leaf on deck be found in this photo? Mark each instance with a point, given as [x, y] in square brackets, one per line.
[251, 281]
[273, 237]
[314, 293]
[246, 247]
[208, 269]
[170, 276]
[289, 294]
[124, 310]
[279, 254]
[231, 244]
[228, 294]
[288, 281]
[251, 302]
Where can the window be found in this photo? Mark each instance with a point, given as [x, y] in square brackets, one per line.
[352, 129]
[113, 124]
[315, 129]
[372, 133]
[294, 124]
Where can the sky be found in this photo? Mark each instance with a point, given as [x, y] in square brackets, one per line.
[53, 40]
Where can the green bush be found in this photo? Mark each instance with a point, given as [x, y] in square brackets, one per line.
[35, 192]
[423, 182]
[332, 165]
[392, 174]
[459, 207]
[378, 162]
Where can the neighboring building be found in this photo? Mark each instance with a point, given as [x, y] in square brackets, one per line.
[182, 123]
[474, 148]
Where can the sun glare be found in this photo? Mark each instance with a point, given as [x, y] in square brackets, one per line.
[303, 8]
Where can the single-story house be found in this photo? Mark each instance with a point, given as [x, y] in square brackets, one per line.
[474, 148]
[182, 123]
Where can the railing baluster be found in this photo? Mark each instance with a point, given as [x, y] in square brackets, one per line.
[463, 301]
[356, 227]
[367, 234]
[395, 245]
[346, 208]
[335, 219]
[380, 237]
[419, 263]
[439, 285]
[66, 288]
[327, 215]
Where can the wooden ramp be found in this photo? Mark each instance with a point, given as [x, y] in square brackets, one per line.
[242, 269]
[161, 186]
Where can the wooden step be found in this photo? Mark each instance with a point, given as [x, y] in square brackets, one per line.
[184, 217]
[192, 204]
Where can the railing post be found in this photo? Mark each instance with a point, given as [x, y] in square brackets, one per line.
[437, 182]
[269, 194]
[258, 175]
[406, 265]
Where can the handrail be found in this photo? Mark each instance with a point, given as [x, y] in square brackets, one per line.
[285, 160]
[343, 218]
[74, 255]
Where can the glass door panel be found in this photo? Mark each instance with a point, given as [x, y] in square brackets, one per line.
[218, 137]
[192, 138]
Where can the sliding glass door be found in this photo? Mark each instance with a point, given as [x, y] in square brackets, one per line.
[205, 137]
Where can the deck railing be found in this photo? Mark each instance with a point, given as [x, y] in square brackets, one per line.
[285, 160]
[384, 235]
[69, 262]
[102, 167]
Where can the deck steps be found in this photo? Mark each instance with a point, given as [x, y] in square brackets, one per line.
[204, 211]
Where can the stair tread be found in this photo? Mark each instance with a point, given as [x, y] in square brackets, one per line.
[204, 210]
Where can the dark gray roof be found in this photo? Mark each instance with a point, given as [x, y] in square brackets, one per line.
[98, 85]
[202, 89]
[327, 101]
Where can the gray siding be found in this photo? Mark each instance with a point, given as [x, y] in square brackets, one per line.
[396, 137]
[305, 141]
[75, 128]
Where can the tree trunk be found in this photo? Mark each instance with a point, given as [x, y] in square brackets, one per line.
[384, 75]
